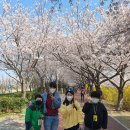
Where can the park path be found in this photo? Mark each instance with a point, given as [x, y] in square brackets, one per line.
[12, 124]
[114, 125]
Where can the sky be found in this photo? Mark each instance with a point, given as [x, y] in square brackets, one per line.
[65, 4]
[3, 75]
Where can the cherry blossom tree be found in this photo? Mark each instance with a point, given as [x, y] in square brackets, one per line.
[116, 45]
[24, 37]
[97, 49]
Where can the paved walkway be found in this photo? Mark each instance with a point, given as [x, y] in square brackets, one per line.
[114, 125]
[10, 124]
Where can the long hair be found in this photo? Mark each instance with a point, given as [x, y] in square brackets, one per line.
[66, 102]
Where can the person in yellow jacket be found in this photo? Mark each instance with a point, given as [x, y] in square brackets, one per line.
[71, 112]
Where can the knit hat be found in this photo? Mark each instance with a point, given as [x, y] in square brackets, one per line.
[95, 94]
[70, 90]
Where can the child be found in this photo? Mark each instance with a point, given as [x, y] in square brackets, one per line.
[34, 114]
[96, 115]
[71, 112]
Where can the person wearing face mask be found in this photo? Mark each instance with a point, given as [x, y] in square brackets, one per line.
[34, 114]
[51, 102]
[71, 112]
[96, 116]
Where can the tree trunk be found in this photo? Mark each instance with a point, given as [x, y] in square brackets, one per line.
[97, 79]
[120, 89]
[30, 88]
[24, 94]
[120, 100]
[22, 87]
[90, 88]
[23, 90]
[17, 88]
[2, 89]
[97, 86]
[41, 82]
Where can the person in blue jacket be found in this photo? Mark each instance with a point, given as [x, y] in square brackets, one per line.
[51, 103]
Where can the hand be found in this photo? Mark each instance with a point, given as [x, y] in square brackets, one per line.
[74, 106]
[30, 103]
[77, 105]
[81, 127]
[52, 97]
[88, 99]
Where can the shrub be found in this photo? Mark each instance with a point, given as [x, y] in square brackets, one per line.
[126, 98]
[16, 94]
[30, 95]
[110, 94]
[11, 104]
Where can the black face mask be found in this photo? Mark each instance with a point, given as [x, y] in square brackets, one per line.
[38, 102]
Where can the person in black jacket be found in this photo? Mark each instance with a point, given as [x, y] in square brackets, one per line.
[96, 115]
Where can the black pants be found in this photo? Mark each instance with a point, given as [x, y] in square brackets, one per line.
[73, 128]
[86, 128]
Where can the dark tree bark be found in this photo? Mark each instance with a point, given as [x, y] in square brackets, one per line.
[119, 101]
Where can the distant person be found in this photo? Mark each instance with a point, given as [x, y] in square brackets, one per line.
[34, 114]
[96, 115]
[71, 112]
[82, 93]
[52, 103]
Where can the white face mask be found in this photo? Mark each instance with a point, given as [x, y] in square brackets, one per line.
[69, 98]
[52, 90]
[95, 100]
